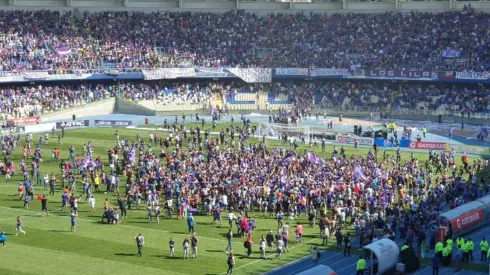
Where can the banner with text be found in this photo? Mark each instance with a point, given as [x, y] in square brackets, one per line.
[212, 72]
[24, 120]
[349, 139]
[32, 76]
[473, 75]
[253, 75]
[395, 74]
[168, 73]
[466, 220]
[422, 145]
[292, 72]
[113, 123]
[328, 72]
[71, 124]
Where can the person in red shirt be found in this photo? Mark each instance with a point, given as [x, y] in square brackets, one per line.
[299, 232]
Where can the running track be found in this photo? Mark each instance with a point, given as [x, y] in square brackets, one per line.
[347, 265]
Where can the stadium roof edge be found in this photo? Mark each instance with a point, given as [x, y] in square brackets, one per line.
[251, 6]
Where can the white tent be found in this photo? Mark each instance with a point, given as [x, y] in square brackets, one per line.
[386, 252]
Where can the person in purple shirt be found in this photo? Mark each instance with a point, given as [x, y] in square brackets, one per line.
[64, 201]
[26, 202]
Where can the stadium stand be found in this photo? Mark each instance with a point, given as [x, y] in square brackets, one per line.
[61, 42]
[305, 96]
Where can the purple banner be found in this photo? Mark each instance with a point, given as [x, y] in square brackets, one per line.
[401, 74]
[63, 51]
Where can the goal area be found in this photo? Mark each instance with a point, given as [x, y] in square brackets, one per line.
[276, 130]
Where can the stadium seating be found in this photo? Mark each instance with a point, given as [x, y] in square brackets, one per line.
[306, 96]
[61, 42]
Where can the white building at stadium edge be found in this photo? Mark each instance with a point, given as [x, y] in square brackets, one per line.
[258, 6]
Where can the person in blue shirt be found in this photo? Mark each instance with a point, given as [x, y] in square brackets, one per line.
[190, 222]
[3, 238]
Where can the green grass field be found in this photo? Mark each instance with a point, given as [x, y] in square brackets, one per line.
[50, 248]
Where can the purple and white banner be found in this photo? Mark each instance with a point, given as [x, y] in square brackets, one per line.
[113, 123]
[35, 75]
[253, 75]
[168, 73]
[63, 51]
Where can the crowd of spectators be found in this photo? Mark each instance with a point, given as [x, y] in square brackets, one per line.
[62, 41]
[384, 95]
[305, 96]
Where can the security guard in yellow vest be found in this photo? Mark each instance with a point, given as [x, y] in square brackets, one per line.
[460, 242]
[445, 256]
[405, 246]
[484, 249]
[470, 250]
[466, 249]
[439, 247]
[450, 243]
[361, 265]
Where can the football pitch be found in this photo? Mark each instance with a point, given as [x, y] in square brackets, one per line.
[49, 247]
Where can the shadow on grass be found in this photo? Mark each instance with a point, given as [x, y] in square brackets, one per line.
[215, 250]
[125, 254]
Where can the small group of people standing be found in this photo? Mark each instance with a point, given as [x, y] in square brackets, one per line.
[186, 244]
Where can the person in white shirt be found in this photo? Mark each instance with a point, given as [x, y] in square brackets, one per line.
[75, 205]
[279, 248]
[91, 202]
[46, 181]
[224, 201]
[231, 218]
[262, 247]
[285, 229]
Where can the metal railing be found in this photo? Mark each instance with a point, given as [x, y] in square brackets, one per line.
[405, 113]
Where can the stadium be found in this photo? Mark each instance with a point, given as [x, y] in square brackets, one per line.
[244, 137]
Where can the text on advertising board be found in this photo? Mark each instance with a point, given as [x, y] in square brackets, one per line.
[348, 139]
[112, 123]
[421, 145]
[69, 124]
[467, 220]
